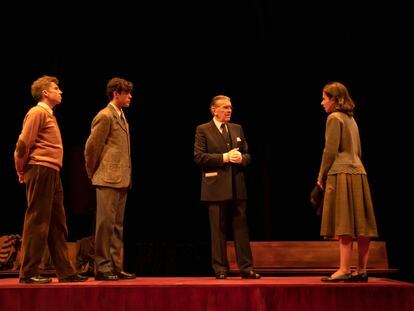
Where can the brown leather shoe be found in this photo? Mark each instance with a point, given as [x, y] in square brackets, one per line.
[125, 275]
[106, 276]
[37, 279]
[74, 278]
[250, 275]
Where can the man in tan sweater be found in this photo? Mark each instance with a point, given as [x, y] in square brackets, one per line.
[38, 159]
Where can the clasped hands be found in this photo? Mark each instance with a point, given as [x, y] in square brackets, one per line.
[233, 156]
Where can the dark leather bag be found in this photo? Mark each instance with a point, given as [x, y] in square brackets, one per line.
[9, 246]
[316, 199]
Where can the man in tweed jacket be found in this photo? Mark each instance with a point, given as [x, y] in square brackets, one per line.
[108, 165]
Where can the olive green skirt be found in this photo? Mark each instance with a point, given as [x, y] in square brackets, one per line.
[347, 207]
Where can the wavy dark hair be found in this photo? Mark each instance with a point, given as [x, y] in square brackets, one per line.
[340, 95]
[119, 85]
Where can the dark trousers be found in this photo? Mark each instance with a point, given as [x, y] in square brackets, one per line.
[218, 227]
[109, 228]
[44, 223]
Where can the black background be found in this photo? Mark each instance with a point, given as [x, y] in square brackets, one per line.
[271, 60]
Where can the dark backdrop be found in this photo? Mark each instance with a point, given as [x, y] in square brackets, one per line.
[272, 61]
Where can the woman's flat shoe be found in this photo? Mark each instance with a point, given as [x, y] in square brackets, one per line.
[347, 277]
[360, 277]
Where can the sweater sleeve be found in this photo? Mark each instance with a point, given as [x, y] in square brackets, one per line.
[332, 141]
[32, 124]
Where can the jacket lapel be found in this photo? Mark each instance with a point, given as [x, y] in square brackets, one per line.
[233, 135]
[218, 137]
[118, 118]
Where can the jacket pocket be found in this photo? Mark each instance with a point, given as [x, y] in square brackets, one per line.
[111, 173]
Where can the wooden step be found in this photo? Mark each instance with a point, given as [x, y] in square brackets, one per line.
[307, 257]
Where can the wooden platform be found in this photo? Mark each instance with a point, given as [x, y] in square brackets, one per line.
[281, 293]
[310, 257]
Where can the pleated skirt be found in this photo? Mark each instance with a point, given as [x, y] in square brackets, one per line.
[347, 207]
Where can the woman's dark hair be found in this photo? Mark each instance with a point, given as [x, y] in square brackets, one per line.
[340, 95]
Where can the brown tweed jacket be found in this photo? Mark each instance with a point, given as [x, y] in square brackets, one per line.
[107, 150]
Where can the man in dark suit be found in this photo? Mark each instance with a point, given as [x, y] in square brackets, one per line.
[221, 151]
[108, 165]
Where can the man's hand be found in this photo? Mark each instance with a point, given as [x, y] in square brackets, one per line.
[235, 156]
[20, 175]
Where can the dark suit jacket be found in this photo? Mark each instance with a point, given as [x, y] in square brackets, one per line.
[218, 178]
[107, 150]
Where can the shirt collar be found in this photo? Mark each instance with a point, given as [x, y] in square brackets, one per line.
[119, 111]
[46, 106]
[217, 123]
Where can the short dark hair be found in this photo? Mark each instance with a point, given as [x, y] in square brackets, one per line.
[118, 84]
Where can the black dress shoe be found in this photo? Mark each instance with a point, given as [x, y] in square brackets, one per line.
[74, 278]
[106, 276]
[250, 275]
[221, 276]
[37, 279]
[360, 277]
[347, 277]
[125, 275]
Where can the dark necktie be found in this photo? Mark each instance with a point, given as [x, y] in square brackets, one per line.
[123, 120]
[225, 135]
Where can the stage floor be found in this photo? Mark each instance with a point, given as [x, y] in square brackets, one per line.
[209, 281]
[206, 293]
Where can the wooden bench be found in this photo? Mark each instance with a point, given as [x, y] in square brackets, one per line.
[313, 257]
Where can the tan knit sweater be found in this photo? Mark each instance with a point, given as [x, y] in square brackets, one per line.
[42, 138]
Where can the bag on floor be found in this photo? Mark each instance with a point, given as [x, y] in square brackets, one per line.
[9, 247]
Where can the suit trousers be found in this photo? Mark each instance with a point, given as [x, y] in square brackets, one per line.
[109, 228]
[44, 223]
[218, 212]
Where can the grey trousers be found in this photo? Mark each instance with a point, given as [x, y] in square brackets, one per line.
[109, 229]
